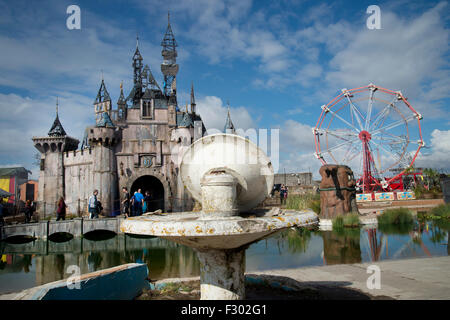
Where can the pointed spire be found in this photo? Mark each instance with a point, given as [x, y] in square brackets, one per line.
[229, 126]
[192, 98]
[57, 106]
[137, 54]
[57, 129]
[169, 43]
[121, 97]
[102, 94]
[192, 94]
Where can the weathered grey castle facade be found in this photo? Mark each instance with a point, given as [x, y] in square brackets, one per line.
[136, 145]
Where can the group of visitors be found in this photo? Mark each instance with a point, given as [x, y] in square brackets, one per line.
[136, 205]
[132, 206]
[94, 208]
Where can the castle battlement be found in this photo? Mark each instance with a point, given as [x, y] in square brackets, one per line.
[80, 157]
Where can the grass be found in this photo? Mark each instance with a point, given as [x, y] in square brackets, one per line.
[303, 202]
[442, 211]
[350, 220]
[396, 221]
[396, 216]
[440, 216]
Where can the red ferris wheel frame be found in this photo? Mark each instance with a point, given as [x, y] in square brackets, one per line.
[369, 181]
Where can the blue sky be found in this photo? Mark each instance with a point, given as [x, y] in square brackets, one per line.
[276, 62]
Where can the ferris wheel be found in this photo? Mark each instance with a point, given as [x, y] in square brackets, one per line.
[371, 129]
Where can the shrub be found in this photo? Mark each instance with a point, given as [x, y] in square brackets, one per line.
[346, 221]
[397, 216]
[442, 211]
[351, 220]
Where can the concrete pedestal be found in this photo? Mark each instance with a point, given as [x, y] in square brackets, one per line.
[218, 195]
[222, 274]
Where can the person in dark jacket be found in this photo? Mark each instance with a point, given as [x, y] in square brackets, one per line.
[61, 211]
[282, 194]
[28, 211]
[147, 200]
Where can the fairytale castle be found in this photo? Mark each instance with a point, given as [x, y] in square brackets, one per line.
[136, 145]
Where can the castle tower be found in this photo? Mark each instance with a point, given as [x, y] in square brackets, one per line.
[169, 67]
[102, 138]
[51, 177]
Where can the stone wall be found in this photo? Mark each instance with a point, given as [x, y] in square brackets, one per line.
[293, 179]
[79, 179]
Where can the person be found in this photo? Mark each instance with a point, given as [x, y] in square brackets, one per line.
[282, 192]
[147, 200]
[126, 202]
[93, 205]
[138, 202]
[286, 191]
[99, 208]
[2, 221]
[28, 211]
[61, 211]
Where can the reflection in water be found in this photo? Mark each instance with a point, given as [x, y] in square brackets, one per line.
[24, 265]
[164, 259]
[51, 260]
[297, 239]
[341, 247]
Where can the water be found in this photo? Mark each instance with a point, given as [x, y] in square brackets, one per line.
[24, 265]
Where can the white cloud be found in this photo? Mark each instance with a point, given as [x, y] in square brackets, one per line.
[407, 54]
[437, 156]
[25, 117]
[214, 114]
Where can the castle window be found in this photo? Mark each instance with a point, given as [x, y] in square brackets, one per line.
[146, 109]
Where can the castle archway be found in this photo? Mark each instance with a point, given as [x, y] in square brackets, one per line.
[154, 186]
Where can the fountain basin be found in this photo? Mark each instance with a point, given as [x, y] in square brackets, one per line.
[188, 228]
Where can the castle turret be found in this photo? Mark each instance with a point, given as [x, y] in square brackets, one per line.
[136, 93]
[121, 106]
[102, 138]
[102, 102]
[51, 178]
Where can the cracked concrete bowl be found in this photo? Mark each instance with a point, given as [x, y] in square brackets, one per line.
[189, 229]
[232, 154]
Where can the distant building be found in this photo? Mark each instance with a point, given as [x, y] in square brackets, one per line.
[11, 179]
[29, 190]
